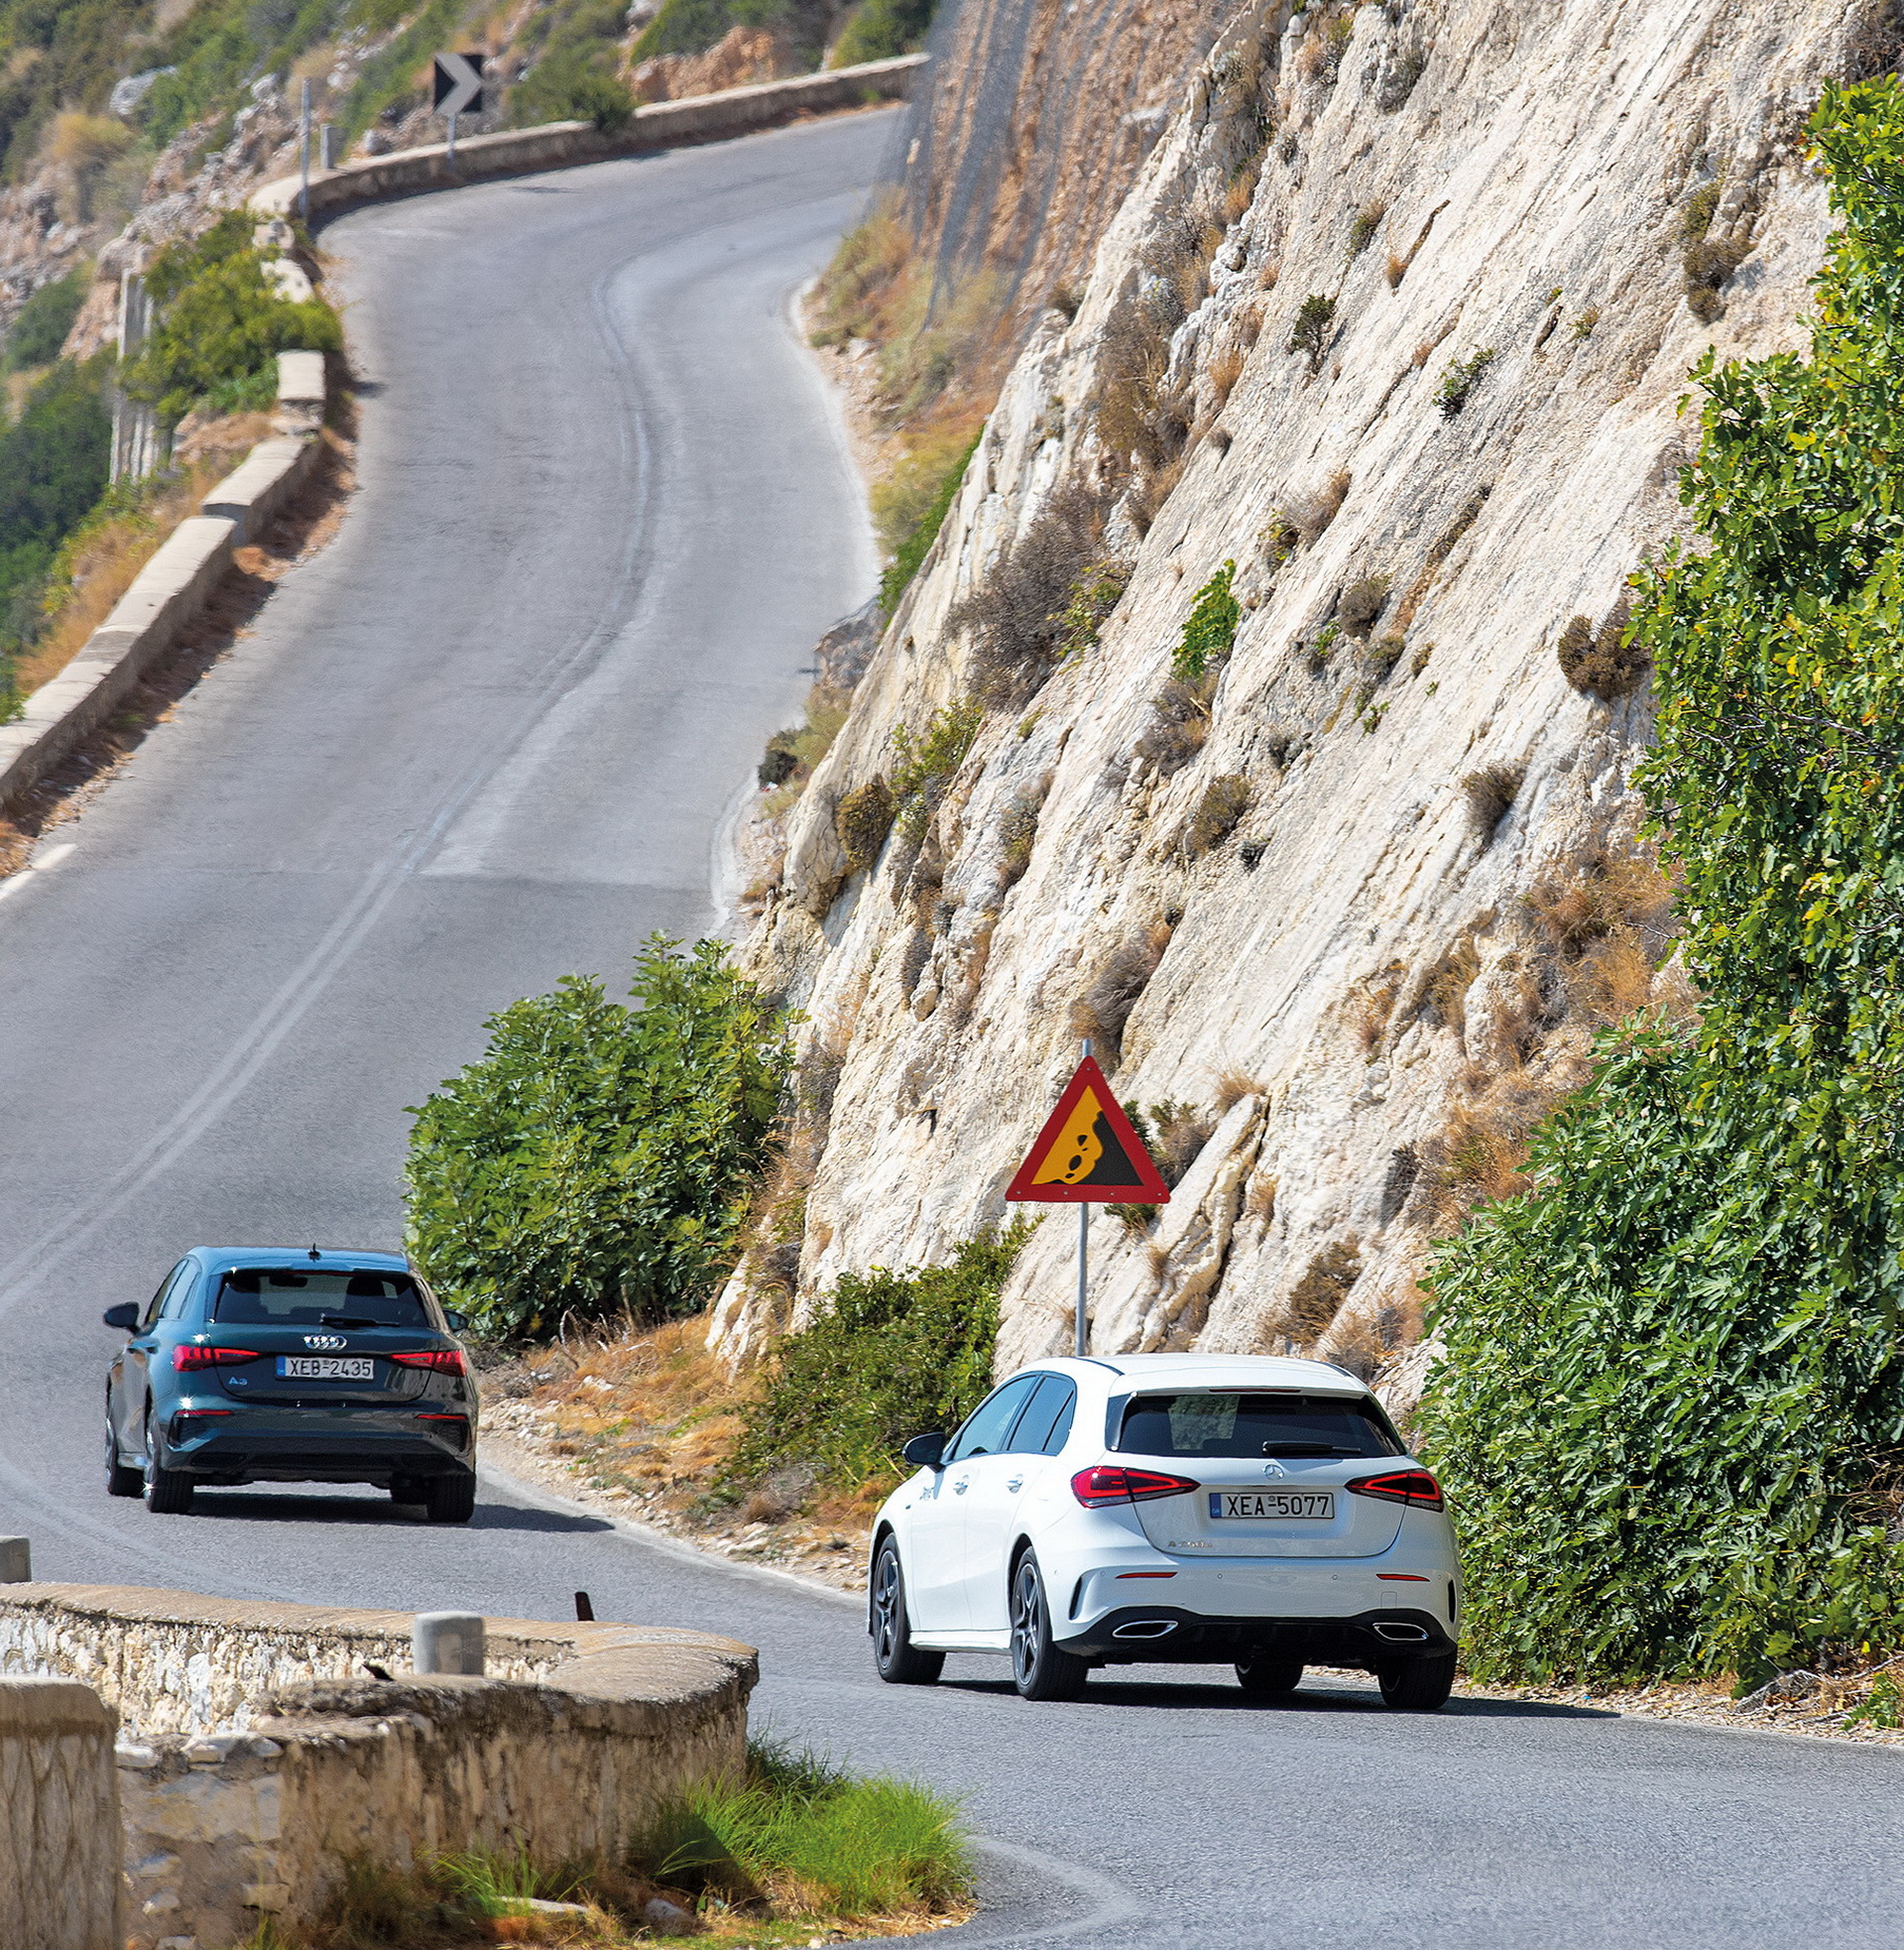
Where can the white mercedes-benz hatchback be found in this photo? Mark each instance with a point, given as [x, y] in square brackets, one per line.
[1170, 1509]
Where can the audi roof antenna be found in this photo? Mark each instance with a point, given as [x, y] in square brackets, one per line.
[314, 1254]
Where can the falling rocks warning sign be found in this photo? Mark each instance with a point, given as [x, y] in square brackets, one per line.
[1087, 1152]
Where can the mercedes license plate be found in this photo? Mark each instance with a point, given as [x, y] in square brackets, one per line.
[325, 1368]
[1272, 1503]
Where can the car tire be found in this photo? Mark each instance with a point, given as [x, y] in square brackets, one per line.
[1270, 1679]
[450, 1498]
[168, 1492]
[120, 1481]
[1417, 1685]
[900, 1663]
[1041, 1668]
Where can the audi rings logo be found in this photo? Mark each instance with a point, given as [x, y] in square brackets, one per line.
[325, 1340]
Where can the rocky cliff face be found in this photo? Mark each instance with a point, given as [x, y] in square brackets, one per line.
[1396, 320]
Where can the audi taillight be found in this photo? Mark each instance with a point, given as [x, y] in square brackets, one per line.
[1108, 1483]
[183, 1358]
[1414, 1487]
[444, 1359]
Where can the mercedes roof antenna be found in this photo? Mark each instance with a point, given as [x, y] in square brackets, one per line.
[314, 1254]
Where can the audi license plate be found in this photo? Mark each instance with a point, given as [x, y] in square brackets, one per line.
[325, 1368]
[1273, 1503]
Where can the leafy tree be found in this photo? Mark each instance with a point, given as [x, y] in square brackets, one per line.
[220, 325]
[1209, 629]
[886, 1356]
[40, 328]
[597, 1158]
[1669, 1406]
[54, 461]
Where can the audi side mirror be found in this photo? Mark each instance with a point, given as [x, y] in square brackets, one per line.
[457, 1321]
[925, 1452]
[125, 1316]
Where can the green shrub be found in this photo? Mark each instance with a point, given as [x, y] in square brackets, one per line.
[1669, 1408]
[44, 321]
[597, 1160]
[886, 1356]
[54, 461]
[220, 325]
[1460, 377]
[1310, 334]
[572, 84]
[1210, 630]
[691, 26]
[855, 1847]
[881, 29]
[938, 750]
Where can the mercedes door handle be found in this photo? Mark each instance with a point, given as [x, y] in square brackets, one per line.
[1016, 1483]
[958, 1488]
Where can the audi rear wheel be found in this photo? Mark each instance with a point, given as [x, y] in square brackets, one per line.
[450, 1498]
[168, 1491]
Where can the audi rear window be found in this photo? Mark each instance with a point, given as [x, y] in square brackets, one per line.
[1256, 1426]
[285, 1296]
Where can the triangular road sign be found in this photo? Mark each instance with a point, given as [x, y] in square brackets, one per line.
[1088, 1154]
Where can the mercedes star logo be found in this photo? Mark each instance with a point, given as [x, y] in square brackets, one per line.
[337, 1340]
[1275, 1469]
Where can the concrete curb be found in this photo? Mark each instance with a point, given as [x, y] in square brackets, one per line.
[565, 145]
[167, 594]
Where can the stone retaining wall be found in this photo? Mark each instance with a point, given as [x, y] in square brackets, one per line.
[59, 1883]
[266, 1756]
[564, 145]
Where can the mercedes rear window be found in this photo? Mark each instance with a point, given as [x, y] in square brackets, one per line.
[1256, 1426]
[284, 1296]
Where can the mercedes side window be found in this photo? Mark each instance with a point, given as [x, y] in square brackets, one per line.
[175, 1279]
[989, 1424]
[1045, 1423]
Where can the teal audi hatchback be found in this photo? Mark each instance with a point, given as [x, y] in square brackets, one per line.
[269, 1365]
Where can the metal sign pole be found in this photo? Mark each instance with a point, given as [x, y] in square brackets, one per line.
[452, 155]
[1084, 1247]
[304, 153]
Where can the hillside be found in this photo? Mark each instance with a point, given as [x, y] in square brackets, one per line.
[1396, 320]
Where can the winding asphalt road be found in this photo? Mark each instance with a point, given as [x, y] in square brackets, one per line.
[488, 737]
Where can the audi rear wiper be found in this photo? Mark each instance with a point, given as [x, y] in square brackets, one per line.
[345, 1321]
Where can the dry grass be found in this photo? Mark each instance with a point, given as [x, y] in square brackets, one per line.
[1224, 370]
[1395, 270]
[645, 1421]
[1491, 793]
[1231, 1087]
[1444, 991]
[1104, 1007]
[1309, 510]
[1241, 193]
[1318, 1296]
[1372, 1006]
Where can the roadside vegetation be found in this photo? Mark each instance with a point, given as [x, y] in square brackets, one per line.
[1668, 1401]
[70, 547]
[797, 1846]
[597, 1161]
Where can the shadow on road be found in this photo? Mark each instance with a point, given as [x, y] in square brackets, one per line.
[1316, 1700]
[245, 1505]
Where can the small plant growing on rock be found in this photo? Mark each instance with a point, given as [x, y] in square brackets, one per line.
[1106, 1005]
[1017, 837]
[1601, 663]
[1491, 793]
[1210, 631]
[1367, 220]
[1225, 800]
[1360, 603]
[1707, 261]
[1092, 596]
[1316, 1298]
[1460, 377]
[1310, 334]
[1179, 725]
[862, 820]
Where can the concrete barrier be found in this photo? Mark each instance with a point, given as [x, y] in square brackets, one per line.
[165, 597]
[59, 1826]
[564, 145]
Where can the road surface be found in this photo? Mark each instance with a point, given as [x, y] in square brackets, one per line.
[489, 737]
